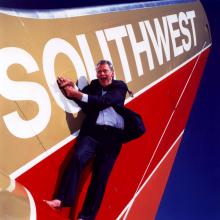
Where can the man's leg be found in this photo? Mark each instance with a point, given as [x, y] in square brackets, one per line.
[103, 165]
[84, 150]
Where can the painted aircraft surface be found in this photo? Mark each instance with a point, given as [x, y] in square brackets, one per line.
[159, 48]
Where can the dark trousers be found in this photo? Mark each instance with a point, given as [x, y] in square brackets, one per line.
[104, 146]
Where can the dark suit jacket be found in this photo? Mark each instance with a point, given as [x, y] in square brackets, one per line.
[115, 97]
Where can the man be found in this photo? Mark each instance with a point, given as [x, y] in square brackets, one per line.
[99, 138]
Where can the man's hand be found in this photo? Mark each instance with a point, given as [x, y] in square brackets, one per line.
[68, 88]
[69, 91]
[63, 82]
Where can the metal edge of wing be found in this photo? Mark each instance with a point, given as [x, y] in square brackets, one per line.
[91, 10]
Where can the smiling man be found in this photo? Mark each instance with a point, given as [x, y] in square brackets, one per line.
[100, 138]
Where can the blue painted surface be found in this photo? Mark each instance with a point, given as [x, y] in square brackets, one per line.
[193, 189]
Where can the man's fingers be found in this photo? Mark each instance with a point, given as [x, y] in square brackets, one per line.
[59, 80]
[62, 82]
[65, 83]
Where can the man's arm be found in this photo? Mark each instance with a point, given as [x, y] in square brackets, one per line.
[115, 95]
[86, 100]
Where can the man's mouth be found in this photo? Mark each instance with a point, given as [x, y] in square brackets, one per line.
[104, 79]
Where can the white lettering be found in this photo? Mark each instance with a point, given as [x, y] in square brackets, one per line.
[117, 33]
[191, 15]
[51, 50]
[185, 31]
[103, 45]
[140, 47]
[87, 56]
[171, 19]
[23, 91]
[161, 39]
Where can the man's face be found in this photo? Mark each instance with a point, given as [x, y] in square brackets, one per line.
[104, 75]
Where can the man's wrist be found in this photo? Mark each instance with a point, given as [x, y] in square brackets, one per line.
[84, 97]
[78, 95]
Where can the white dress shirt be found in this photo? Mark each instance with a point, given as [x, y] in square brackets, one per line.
[107, 116]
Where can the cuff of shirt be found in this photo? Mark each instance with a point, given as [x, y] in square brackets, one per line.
[84, 98]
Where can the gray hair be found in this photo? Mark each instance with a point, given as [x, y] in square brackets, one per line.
[103, 62]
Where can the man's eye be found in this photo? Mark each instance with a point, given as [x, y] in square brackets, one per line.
[104, 71]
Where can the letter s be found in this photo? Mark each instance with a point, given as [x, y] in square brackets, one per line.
[14, 90]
